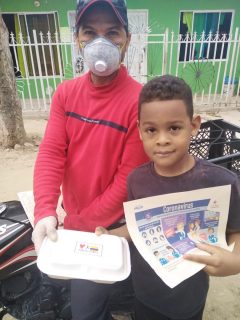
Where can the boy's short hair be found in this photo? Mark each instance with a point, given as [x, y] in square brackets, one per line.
[166, 87]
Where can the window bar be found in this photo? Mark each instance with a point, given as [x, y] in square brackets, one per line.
[39, 68]
[165, 51]
[205, 42]
[202, 39]
[34, 71]
[179, 41]
[138, 48]
[51, 58]
[45, 66]
[235, 68]
[222, 41]
[171, 53]
[238, 87]
[231, 78]
[186, 47]
[210, 40]
[229, 41]
[26, 23]
[58, 43]
[26, 68]
[219, 18]
[74, 53]
[65, 53]
[65, 59]
[55, 21]
[215, 41]
[194, 44]
[24, 56]
[19, 84]
[13, 44]
[237, 56]
[190, 47]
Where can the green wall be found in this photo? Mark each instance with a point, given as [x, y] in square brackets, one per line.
[162, 14]
[60, 6]
[165, 13]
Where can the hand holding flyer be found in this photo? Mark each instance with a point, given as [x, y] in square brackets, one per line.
[165, 228]
[220, 262]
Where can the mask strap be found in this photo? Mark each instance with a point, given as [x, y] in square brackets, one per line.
[81, 45]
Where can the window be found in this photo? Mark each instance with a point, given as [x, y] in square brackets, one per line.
[33, 60]
[204, 34]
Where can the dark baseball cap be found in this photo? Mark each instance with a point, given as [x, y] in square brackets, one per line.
[118, 6]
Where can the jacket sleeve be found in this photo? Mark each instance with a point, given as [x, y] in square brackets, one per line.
[108, 207]
[50, 161]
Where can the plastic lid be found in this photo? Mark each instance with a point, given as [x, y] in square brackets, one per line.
[84, 255]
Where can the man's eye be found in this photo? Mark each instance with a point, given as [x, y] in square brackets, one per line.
[112, 33]
[89, 32]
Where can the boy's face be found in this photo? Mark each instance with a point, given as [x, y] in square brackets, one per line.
[102, 22]
[165, 129]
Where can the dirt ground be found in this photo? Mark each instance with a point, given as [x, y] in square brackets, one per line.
[16, 171]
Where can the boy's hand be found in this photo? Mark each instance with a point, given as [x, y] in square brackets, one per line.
[220, 263]
[101, 230]
[119, 232]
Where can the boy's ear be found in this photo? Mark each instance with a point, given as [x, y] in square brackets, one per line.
[138, 125]
[196, 123]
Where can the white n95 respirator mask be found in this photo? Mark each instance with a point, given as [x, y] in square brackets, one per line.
[101, 56]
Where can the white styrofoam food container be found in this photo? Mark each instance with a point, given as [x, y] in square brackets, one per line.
[84, 255]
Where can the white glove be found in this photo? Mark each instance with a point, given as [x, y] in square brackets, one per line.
[45, 227]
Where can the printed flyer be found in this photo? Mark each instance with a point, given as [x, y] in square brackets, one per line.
[164, 228]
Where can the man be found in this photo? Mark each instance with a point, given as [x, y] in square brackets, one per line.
[91, 143]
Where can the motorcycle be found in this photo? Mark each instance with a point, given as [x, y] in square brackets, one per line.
[25, 292]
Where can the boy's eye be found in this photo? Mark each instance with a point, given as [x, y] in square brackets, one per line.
[174, 129]
[150, 130]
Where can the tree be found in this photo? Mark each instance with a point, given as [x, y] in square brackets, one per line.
[11, 121]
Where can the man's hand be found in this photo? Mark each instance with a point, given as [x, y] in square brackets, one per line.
[45, 227]
[219, 263]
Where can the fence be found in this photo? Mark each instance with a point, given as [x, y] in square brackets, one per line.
[210, 64]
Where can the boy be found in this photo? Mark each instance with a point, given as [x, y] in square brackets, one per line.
[166, 124]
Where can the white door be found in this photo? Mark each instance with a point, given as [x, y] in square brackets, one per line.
[136, 58]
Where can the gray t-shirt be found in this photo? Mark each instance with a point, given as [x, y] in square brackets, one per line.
[188, 297]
